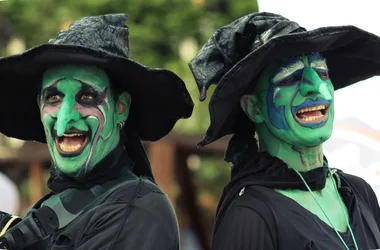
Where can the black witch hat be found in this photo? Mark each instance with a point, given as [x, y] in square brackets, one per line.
[159, 96]
[237, 53]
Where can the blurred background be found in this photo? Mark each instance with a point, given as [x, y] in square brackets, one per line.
[168, 34]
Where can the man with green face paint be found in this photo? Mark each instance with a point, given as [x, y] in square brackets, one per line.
[275, 81]
[92, 105]
[80, 116]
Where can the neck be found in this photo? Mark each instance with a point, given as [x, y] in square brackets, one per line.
[109, 160]
[110, 167]
[300, 158]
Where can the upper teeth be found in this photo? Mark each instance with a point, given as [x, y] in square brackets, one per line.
[319, 107]
[72, 135]
[71, 148]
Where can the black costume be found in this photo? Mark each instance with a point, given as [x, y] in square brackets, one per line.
[117, 205]
[123, 218]
[253, 216]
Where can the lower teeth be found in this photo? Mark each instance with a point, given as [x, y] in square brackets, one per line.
[307, 119]
[69, 148]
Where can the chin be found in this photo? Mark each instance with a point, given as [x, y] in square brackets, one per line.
[68, 166]
[68, 169]
[315, 140]
[310, 139]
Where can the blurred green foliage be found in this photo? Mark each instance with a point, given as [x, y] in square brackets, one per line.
[211, 173]
[211, 177]
[163, 33]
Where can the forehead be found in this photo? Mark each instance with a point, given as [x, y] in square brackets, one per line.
[308, 60]
[90, 75]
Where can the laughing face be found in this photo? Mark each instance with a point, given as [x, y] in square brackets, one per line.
[80, 116]
[294, 100]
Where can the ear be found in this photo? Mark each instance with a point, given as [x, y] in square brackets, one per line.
[249, 104]
[123, 106]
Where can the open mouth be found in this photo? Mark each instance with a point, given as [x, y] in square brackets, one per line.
[313, 114]
[72, 143]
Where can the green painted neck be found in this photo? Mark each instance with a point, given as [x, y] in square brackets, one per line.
[299, 158]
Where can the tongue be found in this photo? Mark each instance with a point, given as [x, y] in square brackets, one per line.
[310, 114]
[73, 141]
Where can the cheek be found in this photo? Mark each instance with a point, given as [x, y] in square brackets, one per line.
[50, 110]
[91, 111]
[279, 99]
[48, 124]
[283, 96]
[327, 91]
[331, 89]
[48, 114]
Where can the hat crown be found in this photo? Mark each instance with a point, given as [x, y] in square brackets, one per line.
[231, 43]
[107, 33]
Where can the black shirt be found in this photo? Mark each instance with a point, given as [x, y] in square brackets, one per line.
[133, 214]
[117, 221]
[281, 223]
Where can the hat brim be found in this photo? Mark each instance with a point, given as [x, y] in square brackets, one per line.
[159, 97]
[352, 55]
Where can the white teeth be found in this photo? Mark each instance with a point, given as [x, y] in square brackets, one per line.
[72, 135]
[65, 148]
[319, 107]
[311, 118]
[72, 148]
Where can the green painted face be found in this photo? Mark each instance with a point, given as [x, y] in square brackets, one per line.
[80, 116]
[294, 100]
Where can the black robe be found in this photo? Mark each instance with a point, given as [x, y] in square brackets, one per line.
[145, 222]
[252, 215]
[117, 220]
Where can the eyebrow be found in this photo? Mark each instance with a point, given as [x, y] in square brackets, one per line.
[90, 85]
[55, 82]
[88, 88]
[287, 70]
[319, 64]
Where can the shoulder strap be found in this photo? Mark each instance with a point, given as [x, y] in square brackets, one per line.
[55, 214]
[69, 205]
[255, 202]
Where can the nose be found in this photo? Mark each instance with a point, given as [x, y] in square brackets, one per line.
[311, 82]
[66, 114]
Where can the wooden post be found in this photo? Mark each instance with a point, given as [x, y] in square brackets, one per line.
[162, 158]
[35, 182]
[188, 198]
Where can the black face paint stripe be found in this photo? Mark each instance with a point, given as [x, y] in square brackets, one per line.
[84, 83]
[99, 97]
[50, 90]
[53, 88]
[86, 88]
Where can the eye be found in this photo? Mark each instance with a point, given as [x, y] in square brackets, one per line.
[87, 98]
[53, 98]
[323, 75]
[290, 80]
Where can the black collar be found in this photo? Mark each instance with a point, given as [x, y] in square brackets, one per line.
[107, 169]
[272, 172]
